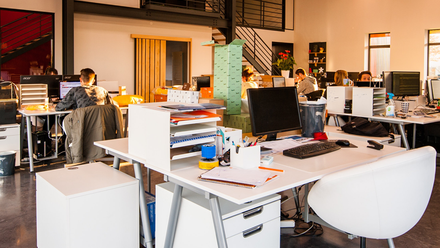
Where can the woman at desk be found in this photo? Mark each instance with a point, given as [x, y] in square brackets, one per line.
[364, 76]
[340, 76]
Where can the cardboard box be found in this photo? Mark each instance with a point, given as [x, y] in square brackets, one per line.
[227, 74]
[242, 121]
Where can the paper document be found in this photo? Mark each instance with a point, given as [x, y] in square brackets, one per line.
[235, 175]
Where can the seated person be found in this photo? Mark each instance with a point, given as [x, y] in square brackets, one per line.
[364, 76]
[85, 95]
[306, 84]
[340, 75]
[246, 83]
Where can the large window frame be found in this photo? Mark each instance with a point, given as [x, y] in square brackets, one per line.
[382, 46]
[429, 46]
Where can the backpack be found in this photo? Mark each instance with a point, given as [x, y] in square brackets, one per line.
[362, 126]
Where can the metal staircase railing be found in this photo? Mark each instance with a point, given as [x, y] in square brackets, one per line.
[255, 50]
[23, 31]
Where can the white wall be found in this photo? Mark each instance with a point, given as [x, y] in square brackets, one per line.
[51, 6]
[103, 43]
[345, 25]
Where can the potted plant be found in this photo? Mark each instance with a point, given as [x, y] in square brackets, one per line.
[285, 63]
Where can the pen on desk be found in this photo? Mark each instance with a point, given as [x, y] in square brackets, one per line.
[271, 169]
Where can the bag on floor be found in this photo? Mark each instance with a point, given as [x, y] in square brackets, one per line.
[362, 126]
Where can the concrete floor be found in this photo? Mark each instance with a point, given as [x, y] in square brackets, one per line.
[18, 221]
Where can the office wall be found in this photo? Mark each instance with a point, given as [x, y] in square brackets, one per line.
[104, 44]
[345, 25]
[51, 6]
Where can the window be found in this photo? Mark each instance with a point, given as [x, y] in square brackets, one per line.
[433, 52]
[379, 53]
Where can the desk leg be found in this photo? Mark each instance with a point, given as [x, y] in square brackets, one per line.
[116, 162]
[218, 221]
[306, 204]
[143, 206]
[296, 198]
[56, 133]
[336, 120]
[126, 125]
[414, 136]
[30, 148]
[403, 136]
[174, 216]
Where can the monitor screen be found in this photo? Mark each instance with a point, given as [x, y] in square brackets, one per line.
[279, 82]
[435, 89]
[273, 110]
[203, 82]
[330, 76]
[66, 86]
[75, 78]
[52, 81]
[406, 83]
[368, 84]
[353, 76]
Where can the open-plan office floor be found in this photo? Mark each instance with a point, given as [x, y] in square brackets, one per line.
[18, 216]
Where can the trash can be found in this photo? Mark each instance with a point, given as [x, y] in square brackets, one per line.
[312, 117]
[7, 163]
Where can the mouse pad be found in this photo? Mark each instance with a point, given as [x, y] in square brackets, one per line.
[350, 146]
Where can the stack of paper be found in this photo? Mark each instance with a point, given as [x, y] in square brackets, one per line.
[237, 177]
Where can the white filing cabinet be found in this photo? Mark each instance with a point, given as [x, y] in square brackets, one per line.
[336, 96]
[10, 140]
[368, 101]
[92, 205]
[255, 224]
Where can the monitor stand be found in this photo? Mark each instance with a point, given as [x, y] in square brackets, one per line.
[271, 137]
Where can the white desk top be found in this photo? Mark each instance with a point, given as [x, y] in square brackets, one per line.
[297, 172]
[396, 120]
[41, 113]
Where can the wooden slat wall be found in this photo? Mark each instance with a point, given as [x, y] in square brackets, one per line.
[150, 66]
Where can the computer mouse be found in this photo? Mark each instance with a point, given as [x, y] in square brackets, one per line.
[343, 142]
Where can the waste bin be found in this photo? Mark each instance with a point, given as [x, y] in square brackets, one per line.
[7, 163]
[312, 117]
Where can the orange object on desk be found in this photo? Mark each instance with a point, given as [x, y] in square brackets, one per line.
[207, 92]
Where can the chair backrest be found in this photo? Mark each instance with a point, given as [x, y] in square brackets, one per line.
[381, 200]
[315, 95]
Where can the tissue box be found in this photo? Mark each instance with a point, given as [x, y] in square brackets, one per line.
[183, 96]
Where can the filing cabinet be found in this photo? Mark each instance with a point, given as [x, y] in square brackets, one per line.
[255, 224]
[10, 140]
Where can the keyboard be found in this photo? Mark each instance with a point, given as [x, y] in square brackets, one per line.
[429, 111]
[311, 150]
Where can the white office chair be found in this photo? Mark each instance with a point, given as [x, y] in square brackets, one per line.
[380, 200]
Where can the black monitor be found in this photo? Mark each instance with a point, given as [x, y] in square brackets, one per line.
[434, 92]
[368, 84]
[353, 76]
[404, 83]
[52, 81]
[273, 110]
[330, 76]
[75, 78]
[203, 82]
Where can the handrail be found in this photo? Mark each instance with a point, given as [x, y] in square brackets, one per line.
[17, 20]
[254, 45]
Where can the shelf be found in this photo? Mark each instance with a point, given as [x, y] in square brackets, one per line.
[196, 121]
[178, 131]
[182, 152]
[193, 142]
[316, 53]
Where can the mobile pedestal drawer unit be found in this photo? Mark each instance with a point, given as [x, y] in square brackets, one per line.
[10, 140]
[88, 206]
[255, 224]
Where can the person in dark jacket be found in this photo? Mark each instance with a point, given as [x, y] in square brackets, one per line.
[85, 95]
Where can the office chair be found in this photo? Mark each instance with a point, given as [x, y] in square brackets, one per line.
[381, 200]
[315, 95]
[83, 126]
[278, 82]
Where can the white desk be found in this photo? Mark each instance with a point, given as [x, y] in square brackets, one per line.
[296, 173]
[398, 121]
[28, 114]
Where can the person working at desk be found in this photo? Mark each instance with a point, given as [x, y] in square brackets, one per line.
[340, 75]
[364, 76]
[306, 84]
[85, 95]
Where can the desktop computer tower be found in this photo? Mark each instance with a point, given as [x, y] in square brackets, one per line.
[41, 144]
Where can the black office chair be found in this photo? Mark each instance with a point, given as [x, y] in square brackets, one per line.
[315, 95]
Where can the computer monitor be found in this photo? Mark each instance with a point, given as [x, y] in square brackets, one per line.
[278, 82]
[330, 76]
[203, 82]
[368, 84]
[353, 76]
[66, 86]
[435, 89]
[52, 81]
[405, 83]
[75, 78]
[273, 110]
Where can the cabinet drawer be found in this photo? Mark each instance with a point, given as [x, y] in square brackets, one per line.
[5, 131]
[248, 219]
[263, 235]
[10, 142]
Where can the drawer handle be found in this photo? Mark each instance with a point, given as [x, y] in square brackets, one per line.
[2, 129]
[251, 231]
[252, 212]
[2, 137]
